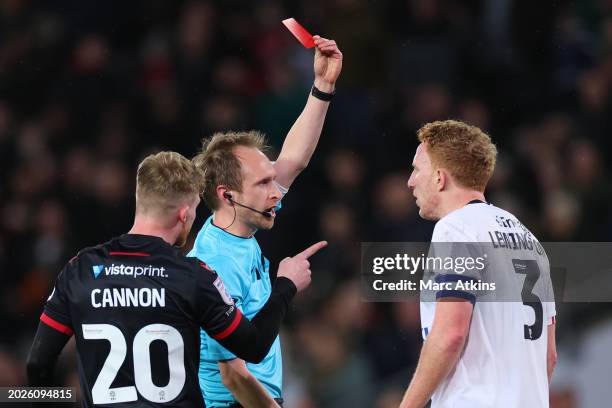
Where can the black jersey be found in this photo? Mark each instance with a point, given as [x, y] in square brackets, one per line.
[135, 306]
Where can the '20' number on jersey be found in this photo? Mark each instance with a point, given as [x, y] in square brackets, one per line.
[101, 391]
[530, 269]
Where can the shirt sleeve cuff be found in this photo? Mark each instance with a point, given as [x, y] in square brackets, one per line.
[55, 324]
[229, 329]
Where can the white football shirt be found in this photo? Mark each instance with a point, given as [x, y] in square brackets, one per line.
[503, 363]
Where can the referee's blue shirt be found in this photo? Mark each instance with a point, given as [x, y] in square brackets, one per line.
[244, 271]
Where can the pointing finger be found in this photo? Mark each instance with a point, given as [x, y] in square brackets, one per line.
[313, 249]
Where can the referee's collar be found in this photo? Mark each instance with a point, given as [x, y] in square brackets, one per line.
[228, 234]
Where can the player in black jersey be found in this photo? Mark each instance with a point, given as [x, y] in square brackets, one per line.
[135, 304]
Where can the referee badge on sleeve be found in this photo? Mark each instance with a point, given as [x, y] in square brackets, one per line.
[218, 283]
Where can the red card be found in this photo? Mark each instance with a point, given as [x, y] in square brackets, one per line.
[299, 32]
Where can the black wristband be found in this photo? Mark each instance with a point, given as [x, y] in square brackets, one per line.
[324, 96]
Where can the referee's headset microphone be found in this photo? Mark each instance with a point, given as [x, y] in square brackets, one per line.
[228, 195]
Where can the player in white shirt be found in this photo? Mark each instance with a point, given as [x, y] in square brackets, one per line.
[477, 352]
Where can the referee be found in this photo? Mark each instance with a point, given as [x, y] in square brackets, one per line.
[243, 189]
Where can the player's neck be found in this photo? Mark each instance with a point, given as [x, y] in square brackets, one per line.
[227, 221]
[459, 199]
[144, 226]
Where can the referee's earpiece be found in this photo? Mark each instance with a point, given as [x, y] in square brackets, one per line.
[227, 195]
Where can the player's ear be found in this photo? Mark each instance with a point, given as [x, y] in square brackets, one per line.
[441, 179]
[182, 212]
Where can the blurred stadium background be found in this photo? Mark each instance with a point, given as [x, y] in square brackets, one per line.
[87, 88]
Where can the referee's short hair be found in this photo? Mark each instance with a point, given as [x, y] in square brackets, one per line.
[164, 180]
[464, 150]
[220, 166]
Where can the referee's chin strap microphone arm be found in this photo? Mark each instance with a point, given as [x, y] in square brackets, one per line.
[227, 195]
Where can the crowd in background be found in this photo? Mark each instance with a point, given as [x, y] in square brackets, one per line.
[88, 88]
